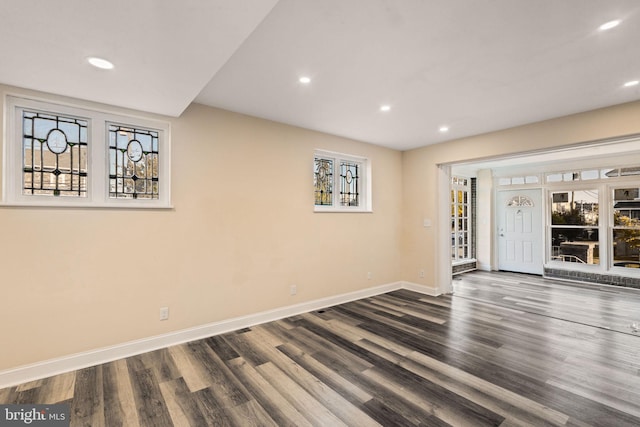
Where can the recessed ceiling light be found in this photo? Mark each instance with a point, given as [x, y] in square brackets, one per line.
[100, 63]
[609, 25]
[444, 129]
[385, 107]
[632, 83]
[305, 80]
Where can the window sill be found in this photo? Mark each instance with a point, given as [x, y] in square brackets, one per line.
[343, 211]
[86, 205]
[574, 266]
[463, 261]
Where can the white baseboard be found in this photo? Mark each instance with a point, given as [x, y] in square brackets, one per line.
[484, 266]
[427, 290]
[47, 368]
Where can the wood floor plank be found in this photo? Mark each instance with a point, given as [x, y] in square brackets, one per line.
[347, 389]
[222, 348]
[320, 391]
[190, 370]
[310, 408]
[151, 407]
[389, 416]
[242, 347]
[182, 407]
[30, 395]
[119, 401]
[214, 413]
[87, 408]
[435, 398]
[113, 413]
[498, 393]
[58, 389]
[279, 408]
[313, 343]
[30, 385]
[251, 414]
[8, 395]
[407, 309]
[224, 385]
[623, 401]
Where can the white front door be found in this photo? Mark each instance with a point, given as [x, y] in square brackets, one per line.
[520, 230]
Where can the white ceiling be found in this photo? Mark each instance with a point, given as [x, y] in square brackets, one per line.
[164, 51]
[474, 65]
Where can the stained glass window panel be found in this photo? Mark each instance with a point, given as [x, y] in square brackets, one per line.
[54, 152]
[323, 182]
[133, 163]
[349, 184]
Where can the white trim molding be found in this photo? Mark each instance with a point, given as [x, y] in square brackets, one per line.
[422, 289]
[60, 365]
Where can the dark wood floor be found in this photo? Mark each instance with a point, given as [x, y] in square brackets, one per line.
[479, 357]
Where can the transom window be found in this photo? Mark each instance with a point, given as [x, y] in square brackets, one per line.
[520, 201]
[60, 155]
[341, 182]
[519, 180]
[591, 174]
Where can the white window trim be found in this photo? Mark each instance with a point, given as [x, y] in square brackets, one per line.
[365, 180]
[98, 157]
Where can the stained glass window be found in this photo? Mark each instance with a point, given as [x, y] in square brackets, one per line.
[349, 184]
[54, 152]
[323, 182]
[133, 163]
[341, 183]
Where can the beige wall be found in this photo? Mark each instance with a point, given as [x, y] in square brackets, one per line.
[420, 167]
[242, 231]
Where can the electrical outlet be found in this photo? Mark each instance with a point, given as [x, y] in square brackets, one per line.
[293, 289]
[421, 273]
[369, 275]
[164, 313]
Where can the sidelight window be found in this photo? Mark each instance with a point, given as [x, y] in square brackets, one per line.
[461, 216]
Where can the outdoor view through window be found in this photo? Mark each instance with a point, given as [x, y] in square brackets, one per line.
[574, 227]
